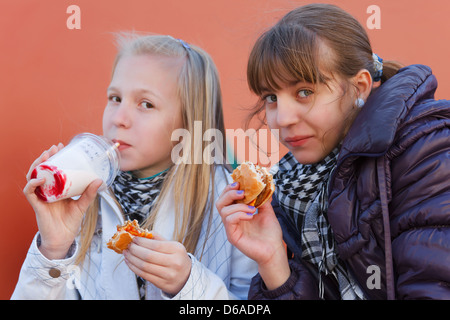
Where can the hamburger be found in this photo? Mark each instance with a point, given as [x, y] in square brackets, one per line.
[256, 182]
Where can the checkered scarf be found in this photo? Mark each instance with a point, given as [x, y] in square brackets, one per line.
[302, 191]
[137, 196]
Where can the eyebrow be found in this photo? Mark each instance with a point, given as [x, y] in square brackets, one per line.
[138, 91]
[285, 84]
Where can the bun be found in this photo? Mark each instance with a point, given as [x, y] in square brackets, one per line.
[256, 182]
[125, 234]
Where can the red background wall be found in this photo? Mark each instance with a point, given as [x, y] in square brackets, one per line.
[53, 80]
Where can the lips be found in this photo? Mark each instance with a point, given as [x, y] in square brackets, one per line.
[297, 141]
[122, 145]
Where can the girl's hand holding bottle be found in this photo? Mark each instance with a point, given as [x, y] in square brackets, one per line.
[258, 236]
[60, 221]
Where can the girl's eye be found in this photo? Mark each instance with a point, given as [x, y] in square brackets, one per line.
[305, 93]
[114, 99]
[271, 98]
[147, 105]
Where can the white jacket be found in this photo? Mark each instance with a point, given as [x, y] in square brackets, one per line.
[224, 273]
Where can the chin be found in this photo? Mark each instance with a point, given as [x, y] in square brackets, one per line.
[305, 157]
[126, 167]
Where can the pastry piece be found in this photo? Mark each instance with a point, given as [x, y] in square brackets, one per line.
[125, 234]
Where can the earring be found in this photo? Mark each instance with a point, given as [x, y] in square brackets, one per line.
[359, 102]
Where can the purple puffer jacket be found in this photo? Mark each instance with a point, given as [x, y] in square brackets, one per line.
[389, 201]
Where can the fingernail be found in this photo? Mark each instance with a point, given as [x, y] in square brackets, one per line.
[240, 191]
[234, 184]
[251, 207]
[249, 213]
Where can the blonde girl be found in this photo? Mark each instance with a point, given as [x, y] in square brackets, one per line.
[159, 84]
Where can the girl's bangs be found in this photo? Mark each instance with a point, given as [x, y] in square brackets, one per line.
[284, 56]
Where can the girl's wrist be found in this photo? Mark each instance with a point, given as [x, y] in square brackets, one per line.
[53, 253]
[276, 271]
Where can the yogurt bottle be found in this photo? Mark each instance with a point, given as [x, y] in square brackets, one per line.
[68, 173]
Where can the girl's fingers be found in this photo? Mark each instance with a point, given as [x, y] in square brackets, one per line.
[237, 207]
[31, 186]
[142, 267]
[232, 186]
[164, 263]
[229, 196]
[144, 254]
[157, 236]
[44, 157]
[162, 277]
[162, 246]
[89, 194]
[237, 217]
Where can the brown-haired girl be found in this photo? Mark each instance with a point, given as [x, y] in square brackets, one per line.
[362, 199]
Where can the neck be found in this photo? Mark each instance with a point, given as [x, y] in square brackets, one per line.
[139, 174]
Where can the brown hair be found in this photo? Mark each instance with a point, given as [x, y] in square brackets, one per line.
[291, 51]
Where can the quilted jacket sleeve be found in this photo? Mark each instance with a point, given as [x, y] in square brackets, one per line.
[420, 210]
[299, 286]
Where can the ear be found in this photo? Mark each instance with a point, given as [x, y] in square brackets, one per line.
[363, 83]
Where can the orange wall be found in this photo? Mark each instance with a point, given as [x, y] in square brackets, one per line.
[53, 80]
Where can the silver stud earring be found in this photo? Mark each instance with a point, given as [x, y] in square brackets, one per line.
[359, 102]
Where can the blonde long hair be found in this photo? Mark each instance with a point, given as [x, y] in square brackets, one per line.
[191, 185]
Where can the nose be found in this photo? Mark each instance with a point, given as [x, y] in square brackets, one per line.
[287, 111]
[121, 115]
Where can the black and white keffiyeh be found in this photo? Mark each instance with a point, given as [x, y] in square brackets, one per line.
[302, 191]
[299, 185]
[137, 196]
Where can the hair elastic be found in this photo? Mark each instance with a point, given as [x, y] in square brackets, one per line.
[378, 66]
[184, 44]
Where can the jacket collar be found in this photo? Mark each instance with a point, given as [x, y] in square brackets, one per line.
[374, 128]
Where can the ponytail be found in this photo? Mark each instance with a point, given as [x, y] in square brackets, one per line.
[390, 69]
